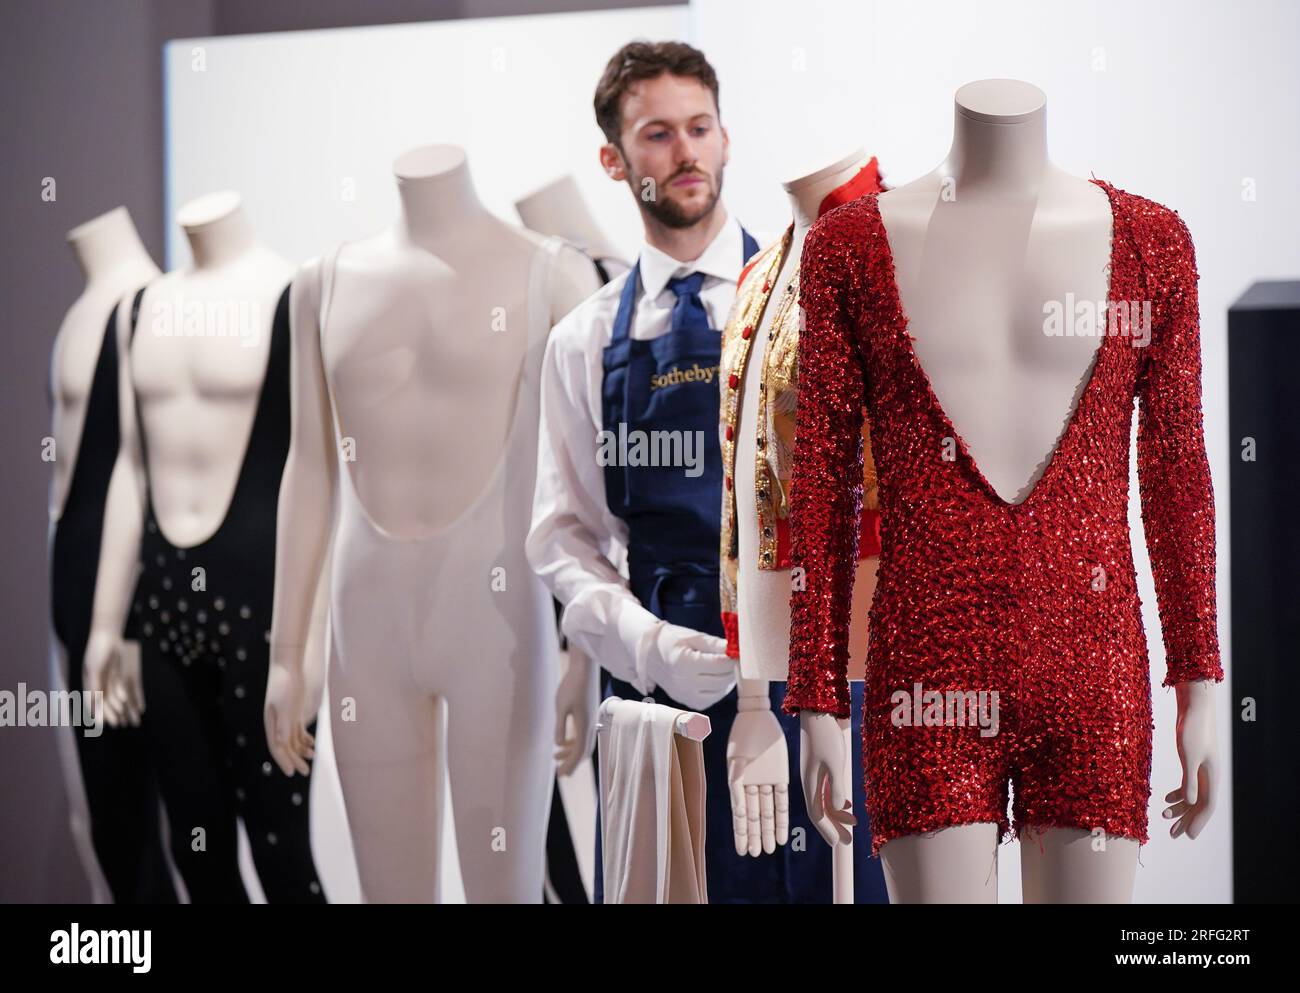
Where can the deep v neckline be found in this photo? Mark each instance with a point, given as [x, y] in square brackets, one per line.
[539, 275]
[1071, 427]
[250, 440]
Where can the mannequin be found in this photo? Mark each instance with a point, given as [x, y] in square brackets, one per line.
[401, 341]
[559, 208]
[764, 594]
[760, 763]
[112, 792]
[113, 260]
[979, 244]
[199, 444]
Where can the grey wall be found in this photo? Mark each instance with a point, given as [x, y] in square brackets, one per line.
[256, 16]
[81, 92]
[253, 16]
[81, 84]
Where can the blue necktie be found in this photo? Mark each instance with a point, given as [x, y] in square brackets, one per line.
[688, 312]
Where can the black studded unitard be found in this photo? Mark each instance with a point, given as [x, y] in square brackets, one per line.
[202, 616]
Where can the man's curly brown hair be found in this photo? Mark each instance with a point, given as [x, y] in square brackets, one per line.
[639, 60]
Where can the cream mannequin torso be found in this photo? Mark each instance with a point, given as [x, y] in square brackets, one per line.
[110, 254]
[756, 743]
[559, 208]
[115, 263]
[197, 402]
[763, 595]
[980, 245]
[418, 323]
[973, 274]
[197, 364]
[423, 358]
[196, 395]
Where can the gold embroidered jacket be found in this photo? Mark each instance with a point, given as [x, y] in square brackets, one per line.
[777, 400]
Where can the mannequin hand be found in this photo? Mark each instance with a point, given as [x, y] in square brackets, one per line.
[691, 666]
[1194, 801]
[758, 772]
[823, 767]
[112, 668]
[286, 735]
[576, 700]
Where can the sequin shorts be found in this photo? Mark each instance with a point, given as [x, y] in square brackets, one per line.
[1059, 732]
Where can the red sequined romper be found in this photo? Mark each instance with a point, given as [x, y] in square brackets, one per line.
[978, 594]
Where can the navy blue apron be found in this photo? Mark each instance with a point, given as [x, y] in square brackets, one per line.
[673, 533]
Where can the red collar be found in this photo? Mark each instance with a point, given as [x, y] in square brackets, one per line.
[866, 181]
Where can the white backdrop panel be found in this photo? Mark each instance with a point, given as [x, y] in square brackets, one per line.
[305, 125]
[1186, 103]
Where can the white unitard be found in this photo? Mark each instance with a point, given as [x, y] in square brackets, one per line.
[444, 647]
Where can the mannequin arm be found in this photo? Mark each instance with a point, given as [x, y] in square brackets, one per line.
[303, 530]
[576, 701]
[1193, 802]
[758, 772]
[107, 668]
[315, 663]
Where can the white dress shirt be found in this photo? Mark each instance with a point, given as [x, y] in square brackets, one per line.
[576, 544]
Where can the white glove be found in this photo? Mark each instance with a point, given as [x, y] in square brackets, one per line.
[639, 648]
[691, 666]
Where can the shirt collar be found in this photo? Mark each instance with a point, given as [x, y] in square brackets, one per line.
[722, 258]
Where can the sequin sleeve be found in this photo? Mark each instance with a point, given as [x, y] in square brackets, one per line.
[826, 478]
[1173, 472]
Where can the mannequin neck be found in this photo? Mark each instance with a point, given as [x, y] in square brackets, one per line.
[559, 208]
[106, 244]
[808, 193]
[437, 194]
[220, 240]
[999, 142]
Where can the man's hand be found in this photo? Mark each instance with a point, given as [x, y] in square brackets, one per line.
[691, 666]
